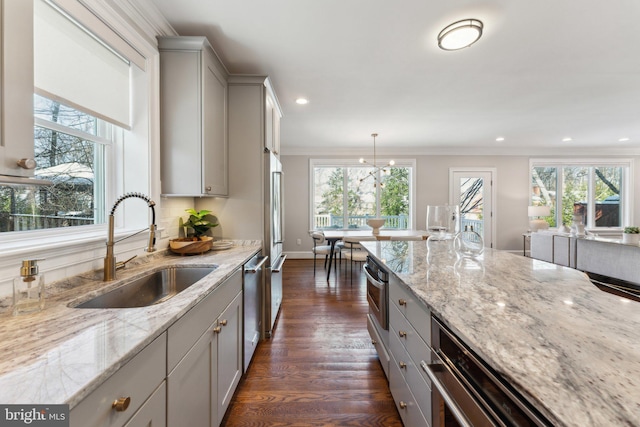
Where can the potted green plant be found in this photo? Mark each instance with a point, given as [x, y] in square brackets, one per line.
[198, 223]
[631, 235]
[195, 229]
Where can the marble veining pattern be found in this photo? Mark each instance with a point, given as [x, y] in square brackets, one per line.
[61, 354]
[570, 349]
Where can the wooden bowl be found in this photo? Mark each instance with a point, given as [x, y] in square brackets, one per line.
[187, 246]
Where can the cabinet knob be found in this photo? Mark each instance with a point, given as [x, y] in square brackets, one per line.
[402, 365]
[402, 405]
[402, 334]
[121, 404]
[217, 330]
[223, 322]
[374, 342]
[27, 163]
[402, 301]
[208, 188]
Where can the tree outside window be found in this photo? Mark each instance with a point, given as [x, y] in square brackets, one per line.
[345, 197]
[592, 192]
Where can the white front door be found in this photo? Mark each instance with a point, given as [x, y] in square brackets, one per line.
[472, 189]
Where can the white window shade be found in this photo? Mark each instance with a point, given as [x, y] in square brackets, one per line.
[73, 67]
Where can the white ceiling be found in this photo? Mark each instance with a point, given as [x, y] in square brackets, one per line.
[542, 71]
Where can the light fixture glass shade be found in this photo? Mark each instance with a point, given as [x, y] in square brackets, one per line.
[460, 34]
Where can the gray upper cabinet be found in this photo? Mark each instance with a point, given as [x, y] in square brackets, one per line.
[193, 102]
[16, 88]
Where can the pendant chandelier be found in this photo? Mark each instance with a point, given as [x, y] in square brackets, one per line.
[376, 169]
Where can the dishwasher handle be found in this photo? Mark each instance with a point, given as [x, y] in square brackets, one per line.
[256, 267]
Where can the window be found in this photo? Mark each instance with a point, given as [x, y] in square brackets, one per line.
[345, 194]
[599, 192]
[70, 150]
[82, 106]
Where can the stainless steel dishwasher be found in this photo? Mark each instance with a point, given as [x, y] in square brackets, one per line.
[253, 279]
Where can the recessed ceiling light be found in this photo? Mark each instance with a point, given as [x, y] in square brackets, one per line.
[500, 138]
[623, 140]
[460, 34]
[567, 139]
[302, 101]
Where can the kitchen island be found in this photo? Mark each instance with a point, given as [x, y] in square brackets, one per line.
[568, 348]
[61, 354]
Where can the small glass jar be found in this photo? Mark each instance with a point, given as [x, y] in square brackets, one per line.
[468, 243]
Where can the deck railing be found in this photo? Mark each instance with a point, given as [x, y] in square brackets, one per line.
[328, 221]
[22, 222]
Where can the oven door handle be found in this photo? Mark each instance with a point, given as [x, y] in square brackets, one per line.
[430, 370]
[375, 282]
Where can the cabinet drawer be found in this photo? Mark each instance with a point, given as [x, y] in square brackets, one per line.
[378, 343]
[411, 372]
[409, 339]
[154, 411]
[411, 307]
[183, 334]
[405, 402]
[137, 379]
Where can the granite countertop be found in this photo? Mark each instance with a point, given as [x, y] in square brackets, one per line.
[570, 349]
[61, 354]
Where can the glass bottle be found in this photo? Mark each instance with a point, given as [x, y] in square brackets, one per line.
[28, 289]
[468, 243]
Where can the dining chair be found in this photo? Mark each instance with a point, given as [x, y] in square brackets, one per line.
[353, 251]
[319, 249]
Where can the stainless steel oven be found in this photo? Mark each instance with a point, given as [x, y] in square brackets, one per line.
[469, 393]
[377, 292]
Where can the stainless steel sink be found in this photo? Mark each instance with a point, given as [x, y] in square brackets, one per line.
[151, 289]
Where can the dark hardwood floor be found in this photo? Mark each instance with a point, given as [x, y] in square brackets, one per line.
[319, 368]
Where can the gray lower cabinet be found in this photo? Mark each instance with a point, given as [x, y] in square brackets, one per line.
[138, 380]
[409, 339]
[203, 375]
[185, 377]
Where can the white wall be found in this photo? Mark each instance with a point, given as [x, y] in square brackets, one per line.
[432, 187]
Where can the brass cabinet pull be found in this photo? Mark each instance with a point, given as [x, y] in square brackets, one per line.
[121, 404]
[402, 405]
[402, 334]
[223, 322]
[402, 365]
[216, 330]
[374, 342]
[402, 301]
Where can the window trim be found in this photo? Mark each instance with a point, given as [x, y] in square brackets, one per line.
[627, 200]
[353, 162]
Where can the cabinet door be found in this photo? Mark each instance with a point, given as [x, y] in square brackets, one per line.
[269, 114]
[152, 413]
[215, 146]
[191, 390]
[16, 99]
[229, 353]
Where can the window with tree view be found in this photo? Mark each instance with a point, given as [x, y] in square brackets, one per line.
[70, 152]
[595, 193]
[345, 196]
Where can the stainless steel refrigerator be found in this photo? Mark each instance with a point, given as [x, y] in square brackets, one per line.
[273, 240]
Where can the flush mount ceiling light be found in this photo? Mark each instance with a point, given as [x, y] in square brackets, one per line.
[302, 101]
[460, 34]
